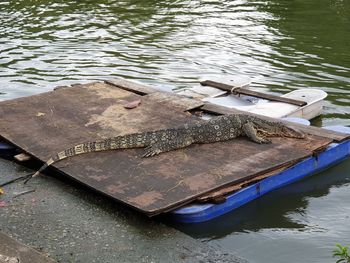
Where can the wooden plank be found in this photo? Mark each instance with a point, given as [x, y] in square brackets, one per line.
[162, 96]
[237, 90]
[132, 86]
[335, 136]
[45, 124]
[182, 103]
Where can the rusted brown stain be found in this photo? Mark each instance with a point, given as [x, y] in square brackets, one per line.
[209, 178]
[200, 181]
[93, 169]
[146, 198]
[116, 188]
[235, 166]
[111, 122]
[112, 119]
[167, 169]
[103, 91]
[99, 178]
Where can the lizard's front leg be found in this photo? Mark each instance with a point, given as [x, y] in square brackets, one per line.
[169, 145]
[250, 131]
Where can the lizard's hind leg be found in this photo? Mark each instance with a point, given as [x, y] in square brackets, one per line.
[251, 132]
[166, 146]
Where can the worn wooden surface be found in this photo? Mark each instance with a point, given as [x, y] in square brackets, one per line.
[44, 124]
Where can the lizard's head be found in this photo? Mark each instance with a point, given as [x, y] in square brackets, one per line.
[281, 130]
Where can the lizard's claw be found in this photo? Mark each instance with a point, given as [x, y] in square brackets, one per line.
[150, 151]
[264, 141]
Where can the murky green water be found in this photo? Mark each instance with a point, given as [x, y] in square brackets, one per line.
[281, 45]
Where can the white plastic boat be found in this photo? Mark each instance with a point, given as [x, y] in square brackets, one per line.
[313, 97]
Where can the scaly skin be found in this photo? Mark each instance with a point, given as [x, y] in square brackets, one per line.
[221, 128]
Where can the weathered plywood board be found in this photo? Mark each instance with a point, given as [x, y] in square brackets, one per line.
[47, 123]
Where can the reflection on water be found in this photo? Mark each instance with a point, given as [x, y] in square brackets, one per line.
[281, 45]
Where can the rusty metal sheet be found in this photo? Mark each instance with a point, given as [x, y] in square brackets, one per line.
[47, 123]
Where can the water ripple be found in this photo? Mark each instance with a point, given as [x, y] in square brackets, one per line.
[171, 44]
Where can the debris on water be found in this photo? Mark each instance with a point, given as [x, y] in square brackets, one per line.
[40, 114]
[2, 203]
[22, 157]
[132, 104]
[17, 179]
[1, 191]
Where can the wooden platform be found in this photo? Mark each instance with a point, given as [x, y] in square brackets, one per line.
[45, 124]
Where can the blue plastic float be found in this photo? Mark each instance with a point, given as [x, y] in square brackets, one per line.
[6, 149]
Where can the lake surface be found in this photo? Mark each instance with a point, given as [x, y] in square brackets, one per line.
[280, 45]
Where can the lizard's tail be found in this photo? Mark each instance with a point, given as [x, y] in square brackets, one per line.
[120, 142]
[76, 150]
[58, 157]
[42, 168]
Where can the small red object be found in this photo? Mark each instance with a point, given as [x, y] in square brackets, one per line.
[132, 104]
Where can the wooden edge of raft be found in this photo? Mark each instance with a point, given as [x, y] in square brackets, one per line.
[132, 86]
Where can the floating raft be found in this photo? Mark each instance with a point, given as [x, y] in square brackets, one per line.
[45, 124]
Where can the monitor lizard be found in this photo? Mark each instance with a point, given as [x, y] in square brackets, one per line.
[220, 128]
